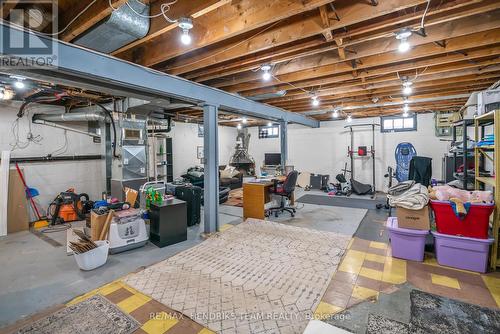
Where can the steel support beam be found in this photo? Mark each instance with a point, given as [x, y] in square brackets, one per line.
[284, 145]
[211, 179]
[87, 69]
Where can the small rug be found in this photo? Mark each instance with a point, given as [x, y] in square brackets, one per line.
[435, 314]
[95, 315]
[381, 325]
[257, 277]
[235, 198]
[347, 202]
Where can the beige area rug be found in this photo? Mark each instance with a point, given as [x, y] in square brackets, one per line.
[256, 277]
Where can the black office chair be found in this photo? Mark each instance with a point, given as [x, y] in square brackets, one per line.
[284, 189]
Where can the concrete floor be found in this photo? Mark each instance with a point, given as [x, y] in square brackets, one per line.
[40, 275]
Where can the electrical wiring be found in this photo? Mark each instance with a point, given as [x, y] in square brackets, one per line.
[114, 128]
[422, 26]
[64, 148]
[164, 8]
[229, 48]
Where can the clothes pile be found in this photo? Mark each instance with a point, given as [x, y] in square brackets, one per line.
[408, 195]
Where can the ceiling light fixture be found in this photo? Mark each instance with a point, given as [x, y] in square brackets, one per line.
[244, 120]
[239, 126]
[19, 82]
[406, 108]
[185, 24]
[335, 113]
[266, 76]
[403, 36]
[407, 87]
[349, 119]
[314, 101]
[269, 124]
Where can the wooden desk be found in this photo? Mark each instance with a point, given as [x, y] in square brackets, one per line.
[255, 197]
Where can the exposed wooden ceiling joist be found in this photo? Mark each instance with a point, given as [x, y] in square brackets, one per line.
[228, 21]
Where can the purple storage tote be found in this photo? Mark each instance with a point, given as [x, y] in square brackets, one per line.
[462, 252]
[405, 243]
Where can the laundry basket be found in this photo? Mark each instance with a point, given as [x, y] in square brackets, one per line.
[95, 257]
[474, 225]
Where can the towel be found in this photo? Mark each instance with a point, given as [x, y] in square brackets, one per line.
[414, 198]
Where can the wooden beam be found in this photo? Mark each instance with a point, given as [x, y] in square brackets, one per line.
[314, 67]
[302, 27]
[159, 26]
[362, 32]
[96, 13]
[222, 24]
[6, 7]
[325, 20]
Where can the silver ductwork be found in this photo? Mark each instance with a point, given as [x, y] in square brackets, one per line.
[89, 116]
[122, 27]
[267, 96]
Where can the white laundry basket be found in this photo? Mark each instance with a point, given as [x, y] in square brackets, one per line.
[95, 257]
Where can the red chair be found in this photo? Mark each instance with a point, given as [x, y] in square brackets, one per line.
[284, 189]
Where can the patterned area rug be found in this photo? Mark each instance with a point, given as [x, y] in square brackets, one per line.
[235, 198]
[255, 277]
[95, 315]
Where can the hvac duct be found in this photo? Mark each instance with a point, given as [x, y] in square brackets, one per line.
[71, 117]
[122, 27]
[267, 96]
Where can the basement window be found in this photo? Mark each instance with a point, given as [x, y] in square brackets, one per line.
[398, 123]
[269, 131]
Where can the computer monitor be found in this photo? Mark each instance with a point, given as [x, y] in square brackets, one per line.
[272, 159]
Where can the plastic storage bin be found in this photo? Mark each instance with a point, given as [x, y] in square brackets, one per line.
[405, 243]
[473, 225]
[462, 252]
[95, 257]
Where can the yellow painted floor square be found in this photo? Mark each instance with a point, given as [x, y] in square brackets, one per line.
[360, 292]
[225, 227]
[375, 258]
[324, 310]
[206, 331]
[449, 282]
[352, 262]
[371, 273]
[379, 245]
[394, 271]
[159, 325]
[493, 284]
[133, 302]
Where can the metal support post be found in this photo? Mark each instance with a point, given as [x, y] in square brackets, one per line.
[284, 145]
[211, 162]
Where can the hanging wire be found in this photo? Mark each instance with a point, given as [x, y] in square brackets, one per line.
[164, 8]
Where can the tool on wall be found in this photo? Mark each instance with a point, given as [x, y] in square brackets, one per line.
[30, 194]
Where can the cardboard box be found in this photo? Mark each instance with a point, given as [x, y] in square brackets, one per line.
[414, 219]
[96, 225]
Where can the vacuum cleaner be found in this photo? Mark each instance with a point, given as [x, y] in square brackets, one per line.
[69, 206]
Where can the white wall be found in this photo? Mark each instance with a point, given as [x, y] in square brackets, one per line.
[324, 150]
[51, 178]
[185, 141]
[88, 176]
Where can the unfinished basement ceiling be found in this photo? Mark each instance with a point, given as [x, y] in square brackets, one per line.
[344, 52]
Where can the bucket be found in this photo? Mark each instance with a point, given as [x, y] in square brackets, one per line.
[95, 257]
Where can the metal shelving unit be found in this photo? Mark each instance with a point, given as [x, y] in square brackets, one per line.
[490, 119]
[463, 155]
